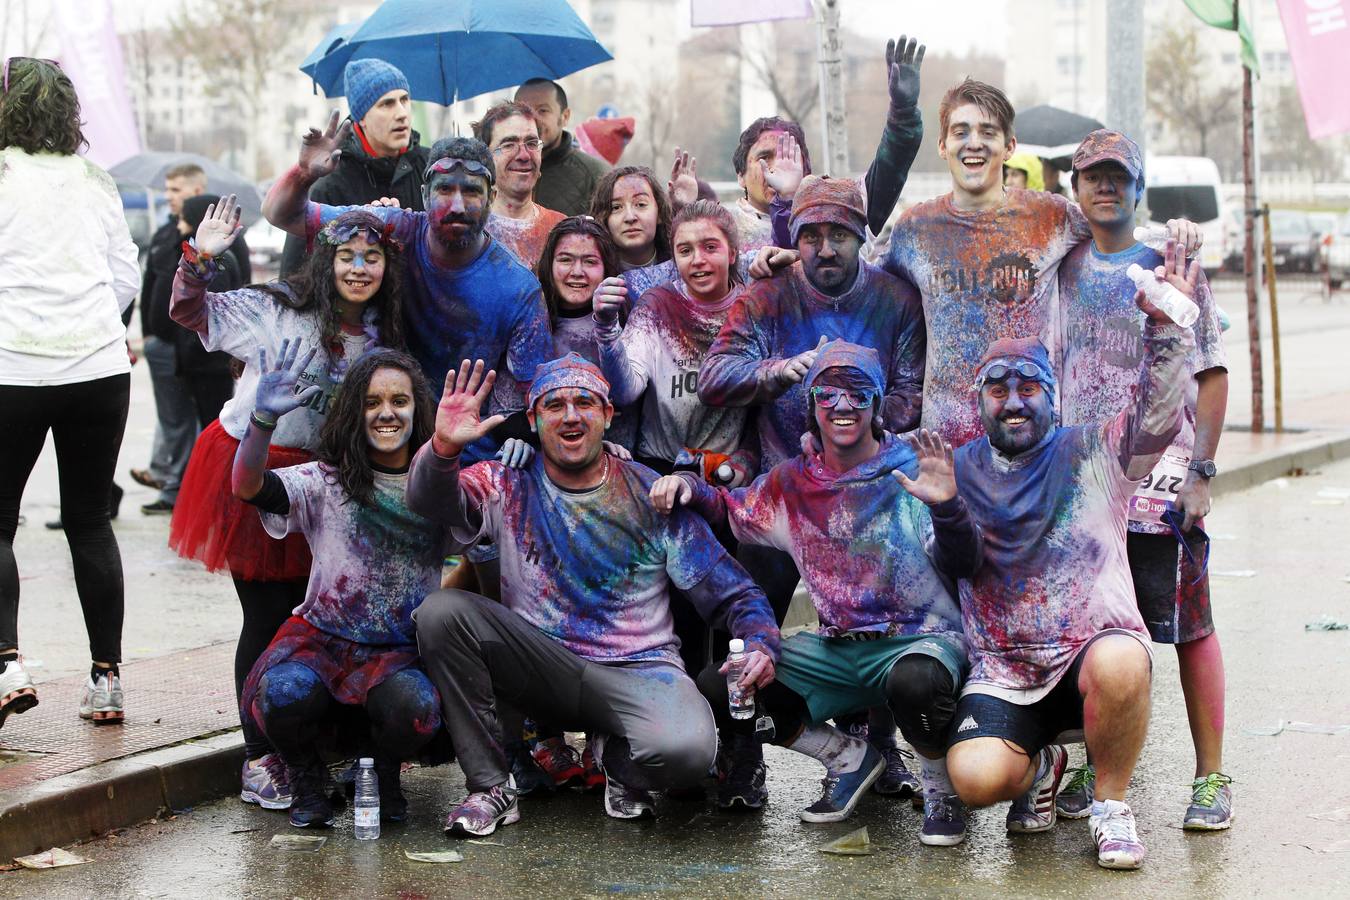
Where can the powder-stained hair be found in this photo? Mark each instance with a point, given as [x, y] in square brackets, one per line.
[482, 129]
[991, 101]
[604, 196]
[741, 157]
[543, 270]
[463, 148]
[41, 111]
[343, 445]
[189, 171]
[716, 213]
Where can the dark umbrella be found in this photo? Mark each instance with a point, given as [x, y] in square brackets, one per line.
[1050, 132]
[147, 170]
[453, 49]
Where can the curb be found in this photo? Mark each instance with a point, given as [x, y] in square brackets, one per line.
[118, 793]
[1280, 463]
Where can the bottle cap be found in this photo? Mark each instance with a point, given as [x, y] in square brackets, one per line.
[725, 473]
[366, 762]
[736, 645]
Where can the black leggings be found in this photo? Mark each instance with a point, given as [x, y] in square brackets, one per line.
[266, 605]
[86, 420]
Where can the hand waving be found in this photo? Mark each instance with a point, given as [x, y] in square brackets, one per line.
[276, 387]
[219, 227]
[903, 59]
[458, 416]
[319, 150]
[683, 184]
[787, 171]
[937, 474]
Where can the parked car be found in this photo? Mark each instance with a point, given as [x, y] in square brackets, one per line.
[1324, 223]
[1338, 254]
[1234, 236]
[1294, 241]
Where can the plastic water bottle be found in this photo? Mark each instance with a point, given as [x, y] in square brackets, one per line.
[1155, 238]
[741, 702]
[1176, 305]
[367, 806]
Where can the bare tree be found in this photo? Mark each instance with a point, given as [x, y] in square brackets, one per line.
[1178, 96]
[795, 87]
[1286, 145]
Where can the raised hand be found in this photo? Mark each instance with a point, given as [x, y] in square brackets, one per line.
[276, 394]
[1176, 272]
[670, 491]
[682, 188]
[610, 299]
[787, 171]
[219, 228]
[319, 150]
[937, 473]
[459, 419]
[903, 58]
[1188, 234]
[793, 369]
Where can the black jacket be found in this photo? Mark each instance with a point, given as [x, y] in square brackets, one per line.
[567, 178]
[361, 178]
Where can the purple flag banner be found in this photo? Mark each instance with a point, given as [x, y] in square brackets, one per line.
[92, 56]
[738, 12]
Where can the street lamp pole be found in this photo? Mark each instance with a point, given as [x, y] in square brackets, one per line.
[830, 52]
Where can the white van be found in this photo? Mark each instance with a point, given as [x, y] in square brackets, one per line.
[1188, 187]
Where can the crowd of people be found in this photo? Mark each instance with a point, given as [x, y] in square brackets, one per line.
[518, 444]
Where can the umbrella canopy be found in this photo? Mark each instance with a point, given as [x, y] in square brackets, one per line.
[453, 49]
[1050, 132]
[336, 37]
[147, 170]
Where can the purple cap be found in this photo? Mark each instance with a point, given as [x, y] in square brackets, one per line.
[572, 370]
[1105, 145]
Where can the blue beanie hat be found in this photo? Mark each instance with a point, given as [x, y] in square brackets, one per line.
[840, 354]
[365, 81]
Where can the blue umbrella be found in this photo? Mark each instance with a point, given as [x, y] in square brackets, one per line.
[463, 48]
[335, 38]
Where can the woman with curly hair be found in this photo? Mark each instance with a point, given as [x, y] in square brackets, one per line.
[67, 274]
[345, 301]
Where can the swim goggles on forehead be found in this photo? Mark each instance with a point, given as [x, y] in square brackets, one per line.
[447, 164]
[336, 233]
[828, 396]
[13, 59]
[1000, 371]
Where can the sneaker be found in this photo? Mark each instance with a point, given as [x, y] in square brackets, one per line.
[310, 806]
[944, 821]
[741, 774]
[1034, 811]
[17, 694]
[1211, 806]
[102, 701]
[393, 805]
[1075, 797]
[559, 761]
[479, 814]
[622, 801]
[897, 780]
[266, 782]
[1118, 844]
[529, 778]
[158, 508]
[592, 779]
[843, 791]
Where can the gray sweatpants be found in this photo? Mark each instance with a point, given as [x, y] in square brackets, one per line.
[478, 653]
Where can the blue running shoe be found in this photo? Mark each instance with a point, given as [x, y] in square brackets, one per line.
[843, 790]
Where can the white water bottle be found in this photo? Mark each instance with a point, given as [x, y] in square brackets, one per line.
[740, 701]
[1155, 238]
[1176, 305]
[367, 804]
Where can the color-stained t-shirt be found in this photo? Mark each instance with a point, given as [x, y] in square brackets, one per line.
[983, 275]
[525, 237]
[782, 316]
[373, 564]
[575, 333]
[755, 228]
[1101, 346]
[657, 356]
[593, 569]
[1055, 572]
[863, 544]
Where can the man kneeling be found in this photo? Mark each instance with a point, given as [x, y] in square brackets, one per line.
[584, 636]
[1055, 636]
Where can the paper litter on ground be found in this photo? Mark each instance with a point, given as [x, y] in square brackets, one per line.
[54, 858]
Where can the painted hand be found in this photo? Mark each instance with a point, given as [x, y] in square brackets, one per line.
[276, 386]
[459, 420]
[609, 299]
[793, 369]
[903, 59]
[670, 491]
[758, 672]
[618, 451]
[937, 474]
[769, 260]
[1188, 234]
[682, 187]
[319, 150]
[391, 202]
[1175, 272]
[220, 226]
[787, 171]
[515, 453]
[1193, 499]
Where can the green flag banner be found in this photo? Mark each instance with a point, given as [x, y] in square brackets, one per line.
[1219, 13]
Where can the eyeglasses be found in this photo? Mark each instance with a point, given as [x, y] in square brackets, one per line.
[829, 397]
[1029, 371]
[447, 164]
[11, 59]
[511, 146]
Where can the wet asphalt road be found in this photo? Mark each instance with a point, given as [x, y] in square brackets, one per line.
[1291, 533]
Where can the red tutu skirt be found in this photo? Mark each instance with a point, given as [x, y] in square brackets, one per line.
[210, 524]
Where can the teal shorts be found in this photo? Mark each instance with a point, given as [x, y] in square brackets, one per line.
[836, 676]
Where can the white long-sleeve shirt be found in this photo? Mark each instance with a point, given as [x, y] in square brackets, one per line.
[67, 270]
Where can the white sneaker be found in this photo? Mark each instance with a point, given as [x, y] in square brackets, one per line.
[102, 701]
[17, 693]
[1118, 844]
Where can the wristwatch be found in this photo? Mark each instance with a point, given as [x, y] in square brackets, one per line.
[1205, 468]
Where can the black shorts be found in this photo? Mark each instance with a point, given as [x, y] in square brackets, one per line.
[1172, 592]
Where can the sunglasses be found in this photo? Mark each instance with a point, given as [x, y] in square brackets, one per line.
[1175, 518]
[1029, 371]
[12, 59]
[447, 164]
[829, 397]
